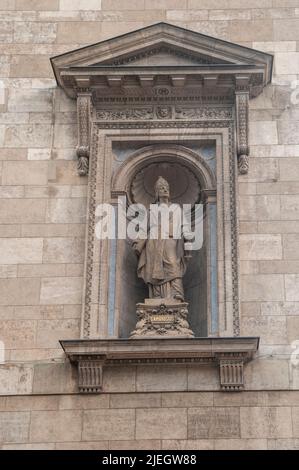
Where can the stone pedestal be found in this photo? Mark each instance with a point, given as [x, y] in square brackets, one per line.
[162, 318]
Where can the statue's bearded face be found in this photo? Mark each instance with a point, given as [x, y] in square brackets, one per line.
[163, 190]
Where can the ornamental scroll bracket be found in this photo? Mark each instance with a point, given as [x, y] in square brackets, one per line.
[83, 119]
[242, 128]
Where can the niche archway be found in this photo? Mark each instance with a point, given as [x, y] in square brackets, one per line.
[191, 180]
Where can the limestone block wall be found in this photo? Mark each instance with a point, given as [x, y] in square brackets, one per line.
[42, 217]
[176, 421]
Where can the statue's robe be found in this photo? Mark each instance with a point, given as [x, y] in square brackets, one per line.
[162, 261]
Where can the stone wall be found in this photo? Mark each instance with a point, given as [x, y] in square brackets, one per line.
[42, 216]
[206, 420]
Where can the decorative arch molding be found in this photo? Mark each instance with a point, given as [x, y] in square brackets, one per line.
[170, 153]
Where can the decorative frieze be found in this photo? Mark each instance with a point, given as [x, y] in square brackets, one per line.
[199, 111]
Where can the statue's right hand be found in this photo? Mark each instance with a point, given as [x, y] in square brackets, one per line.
[137, 246]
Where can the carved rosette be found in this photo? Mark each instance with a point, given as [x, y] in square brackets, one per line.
[83, 116]
[242, 99]
[162, 320]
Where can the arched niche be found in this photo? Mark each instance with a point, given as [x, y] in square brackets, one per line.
[191, 181]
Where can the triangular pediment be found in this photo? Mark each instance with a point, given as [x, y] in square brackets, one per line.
[160, 45]
[162, 54]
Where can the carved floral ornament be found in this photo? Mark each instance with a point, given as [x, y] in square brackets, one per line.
[163, 72]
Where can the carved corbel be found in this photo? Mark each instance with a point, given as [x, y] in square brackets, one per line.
[231, 372]
[242, 100]
[90, 374]
[83, 116]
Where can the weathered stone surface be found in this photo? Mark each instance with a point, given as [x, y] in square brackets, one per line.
[95, 445]
[136, 400]
[292, 328]
[80, 5]
[63, 425]
[164, 423]
[262, 207]
[281, 398]
[39, 154]
[259, 247]
[271, 422]
[272, 330]
[15, 379]
[119, 378]
[24, 65]
[17, 173]
[85, 32]
[240, 444]
[30, 100]
[288, 132]
[18, 334]
[190, 399]
[140, 444]
[53, 291]
[14, 211]
[263, 287]
[161, 378]
[190, 444]
[203, 378]
[267, 374]
[256, 30]
[85, 402]
[63, 250]
[290, 207]
[21, 250]
[49, 332]
[263, 133]
[34, 135]
[279, 308]
[37, 4]
[14, 426]
[40, 33]
[108, 424]
[54, 378]
[292, 287]
[208, 422]
[19, 291]
[283, 444]
[66, 210]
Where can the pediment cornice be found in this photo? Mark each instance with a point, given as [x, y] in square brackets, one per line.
[162, 66]
[182, 57]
